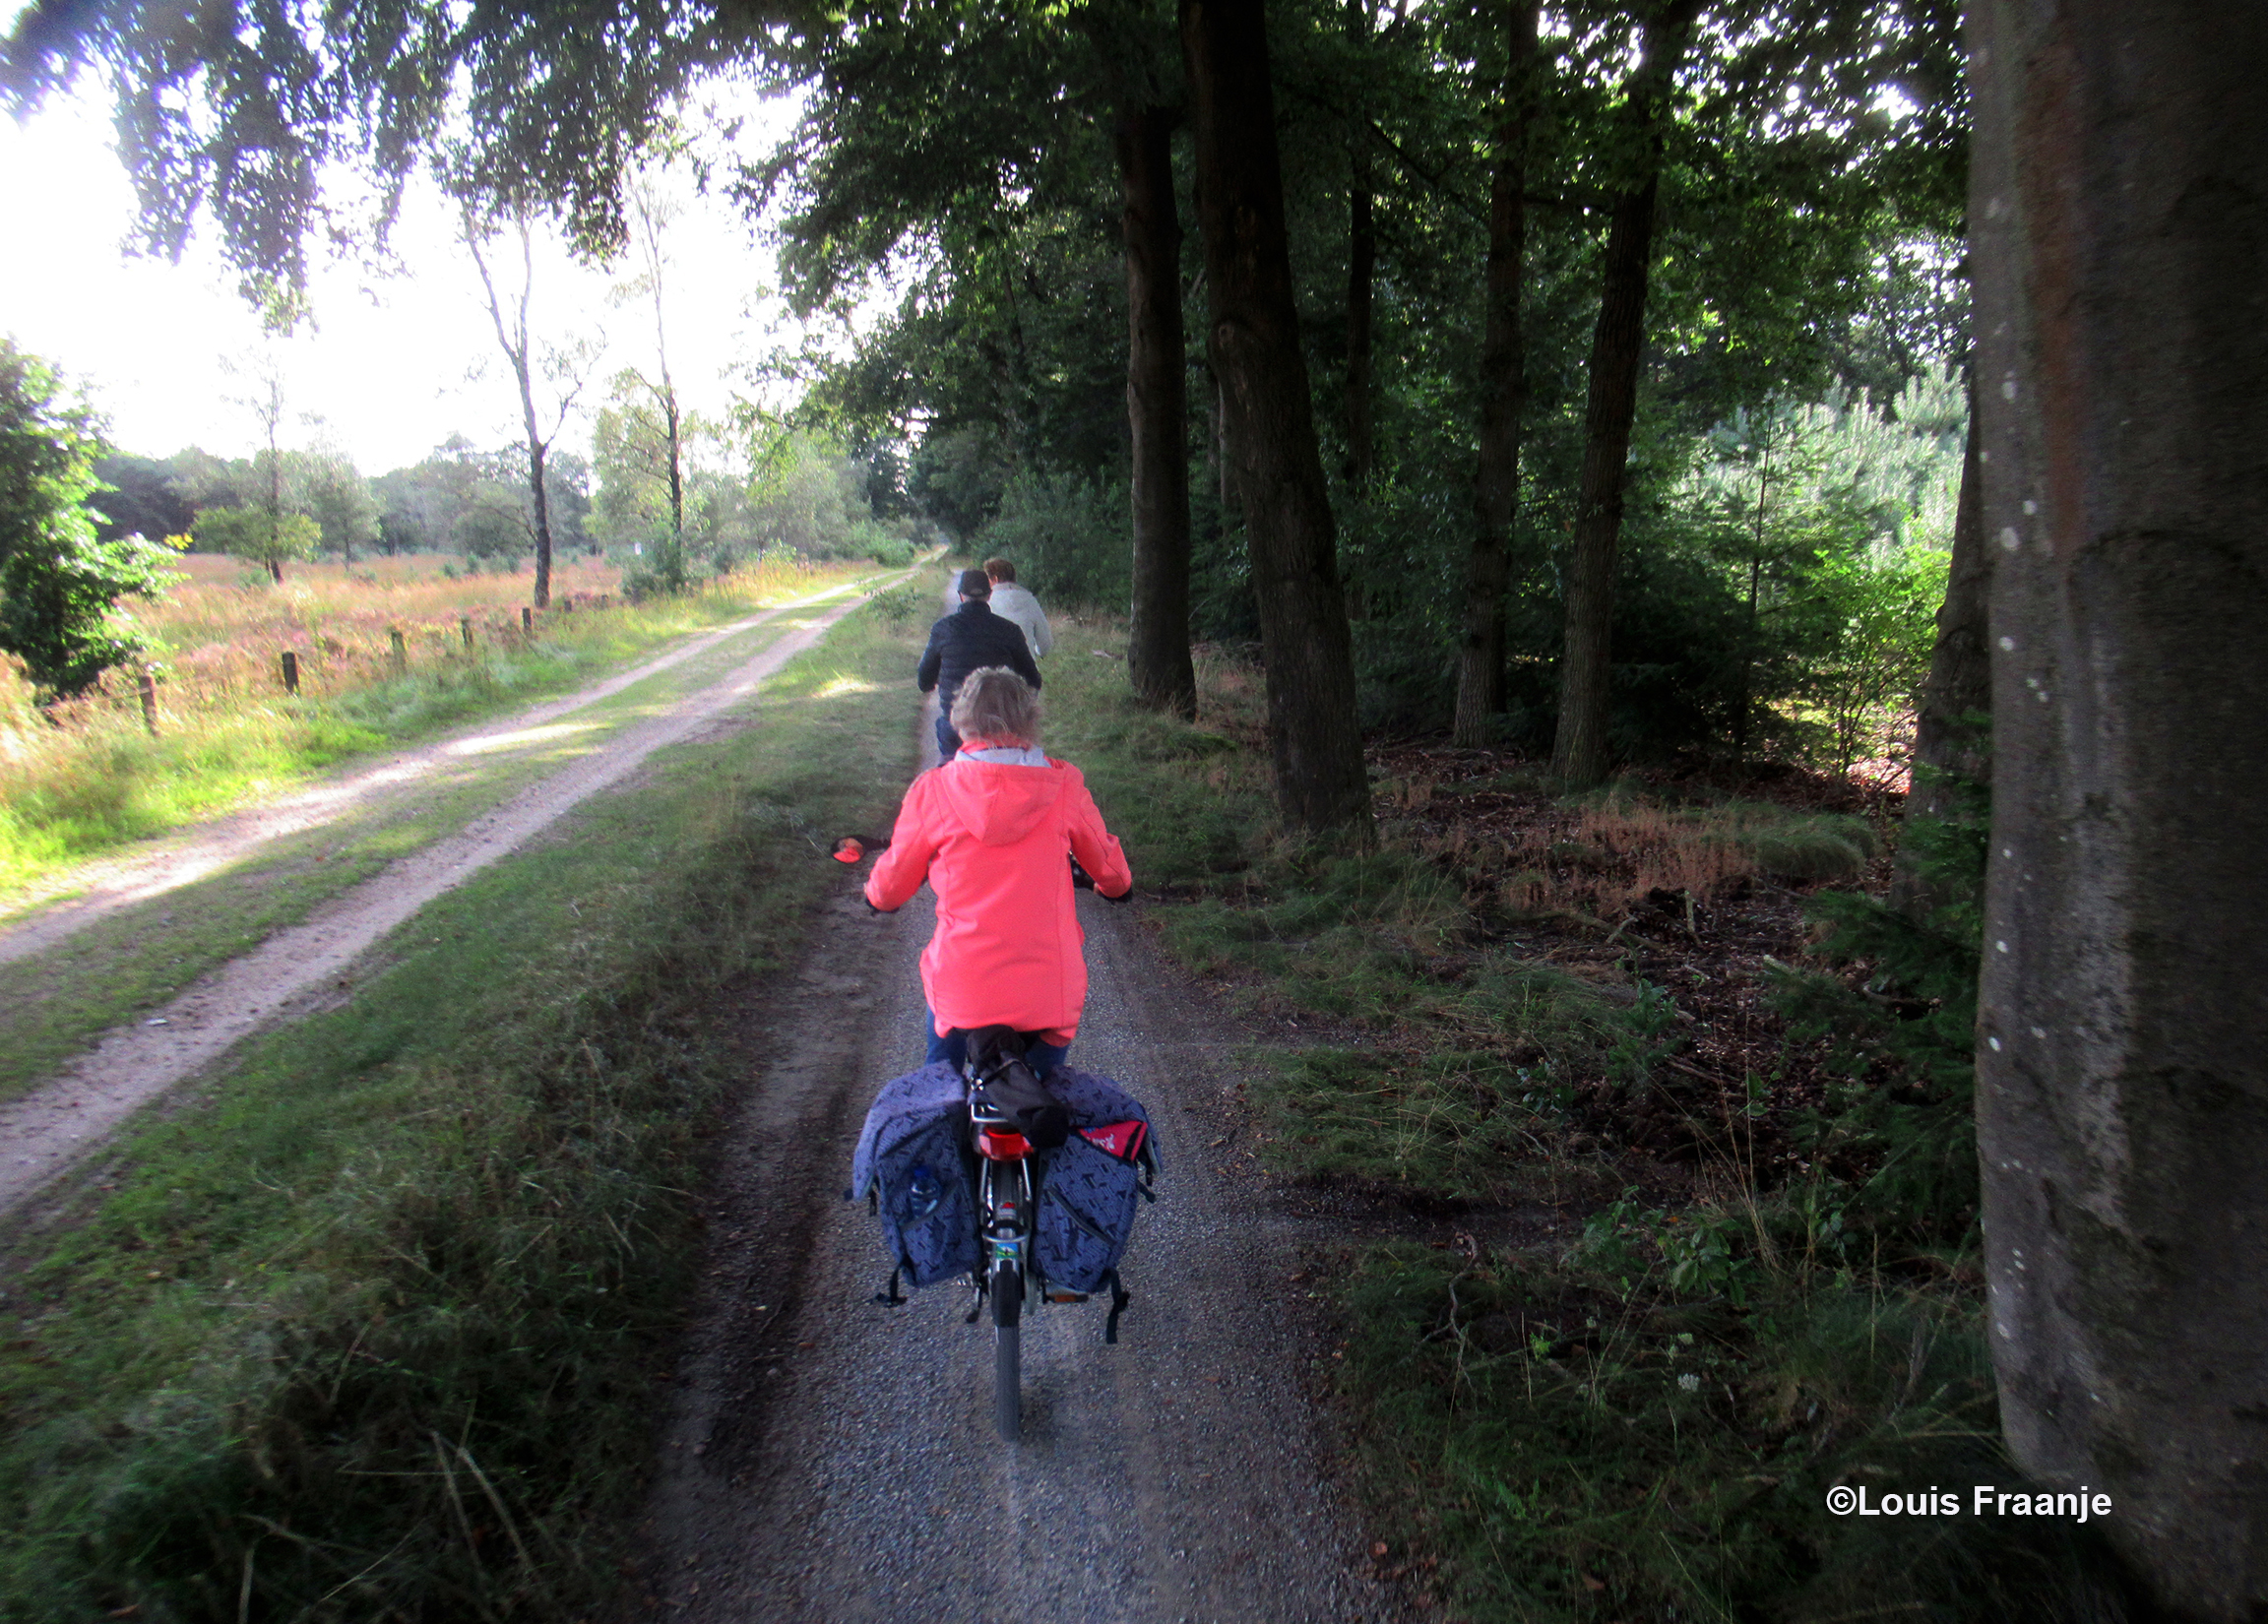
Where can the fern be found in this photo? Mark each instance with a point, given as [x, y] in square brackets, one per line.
[1906, 1037]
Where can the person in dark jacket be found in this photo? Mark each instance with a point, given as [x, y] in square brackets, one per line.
[968, 640]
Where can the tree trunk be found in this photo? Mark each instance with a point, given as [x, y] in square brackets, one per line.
[537, 451]
[1503, 396]
[1362, 277]
[2121, 255]
[1361, 274]
[1254, 341]
[676, 482]
[542, 596]
[1158, 661]
[1579, 748]
[1952, 730]
[1744, 695]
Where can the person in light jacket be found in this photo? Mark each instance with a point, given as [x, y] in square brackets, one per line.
[969, 638]
[1013, 602]
[990, 831]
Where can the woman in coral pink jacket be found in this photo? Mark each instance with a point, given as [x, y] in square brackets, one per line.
[990, 831]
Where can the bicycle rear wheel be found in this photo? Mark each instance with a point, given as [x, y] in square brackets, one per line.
[1008, 1352]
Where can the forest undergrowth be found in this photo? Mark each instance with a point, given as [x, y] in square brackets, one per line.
[1677, 1117]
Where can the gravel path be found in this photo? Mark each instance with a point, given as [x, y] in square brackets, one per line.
[47, 1131]
[829, 1458]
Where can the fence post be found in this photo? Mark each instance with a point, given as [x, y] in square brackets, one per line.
[398, 654]
[465, 625]
[527, 621]
[291, 672]
[148, 686]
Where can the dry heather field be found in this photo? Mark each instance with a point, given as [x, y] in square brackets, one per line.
[87, 773]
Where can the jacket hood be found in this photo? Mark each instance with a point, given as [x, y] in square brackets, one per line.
[998, 803]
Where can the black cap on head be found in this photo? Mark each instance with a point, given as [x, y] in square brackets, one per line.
[976, 584]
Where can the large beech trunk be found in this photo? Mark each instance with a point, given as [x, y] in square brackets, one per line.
[1158, 661]
[1579, 747]
[1952, 730]
[1503, 396]
[1254, 343]
[2120, 208]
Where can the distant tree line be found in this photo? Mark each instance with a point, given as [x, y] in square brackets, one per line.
[801, 493]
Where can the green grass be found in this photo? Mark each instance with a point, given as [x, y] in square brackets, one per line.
[52, 1005]
[1566, 1450]
[369, 1334]
[1644, 1426]
[125, 785]
[1469, 1049]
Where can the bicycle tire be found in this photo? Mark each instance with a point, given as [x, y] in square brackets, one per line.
[1008, 1353]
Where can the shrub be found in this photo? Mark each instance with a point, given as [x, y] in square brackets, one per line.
[1068, 539]
[58, 580]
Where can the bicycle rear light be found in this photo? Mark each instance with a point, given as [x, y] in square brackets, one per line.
[999, 1145]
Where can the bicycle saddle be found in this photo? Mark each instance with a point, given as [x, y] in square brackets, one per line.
[1006, 1085]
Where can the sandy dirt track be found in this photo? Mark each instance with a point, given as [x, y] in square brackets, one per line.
[168, 862]
[48, 1130]
[829, 1458]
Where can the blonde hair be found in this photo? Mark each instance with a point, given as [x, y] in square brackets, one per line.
[994, 703]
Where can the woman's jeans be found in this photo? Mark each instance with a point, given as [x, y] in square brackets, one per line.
[1042, 1058]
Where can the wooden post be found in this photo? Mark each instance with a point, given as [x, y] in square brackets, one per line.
[465, 625]
[567, 605]
[527, 621]
[148, 686]
[291, 672]
[398, 654]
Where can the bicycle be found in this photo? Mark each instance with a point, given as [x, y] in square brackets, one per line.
[1013, 1121]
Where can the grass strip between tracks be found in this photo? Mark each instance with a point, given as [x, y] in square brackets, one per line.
[366, 1332]
[1642, 1423]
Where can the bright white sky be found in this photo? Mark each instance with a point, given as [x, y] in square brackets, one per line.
[386, 368]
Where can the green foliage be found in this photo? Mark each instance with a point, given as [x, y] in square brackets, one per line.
[1069, 538]
[1574, 1453]
[1905, 1035]
[339, 499]
[146, 497]
[465, 500]
[269, 539]
[60, 581]
[1821, 847]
